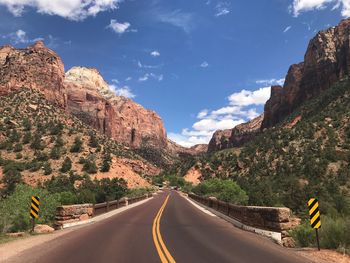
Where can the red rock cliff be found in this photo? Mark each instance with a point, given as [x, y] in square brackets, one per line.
[236, 137]
[327, 60]
[35, 67]
[91, 100]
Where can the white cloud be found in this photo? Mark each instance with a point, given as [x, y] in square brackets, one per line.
[204, 64]
[270, 82]
[155, 53]
[222, 9]
[240, 109]
[118, 28]
[247, 97]
[128, 79]
[144, 77]
[177, 18]
[71, 9]
[140, 65]
[287, 29]
[299, 6]
[122, 91]
[147, 76]
[21, 37]
[202, 114]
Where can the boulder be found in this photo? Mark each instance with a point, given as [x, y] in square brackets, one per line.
[43, 229]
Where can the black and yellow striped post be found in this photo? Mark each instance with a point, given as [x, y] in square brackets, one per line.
[315, 217]
[34, 210]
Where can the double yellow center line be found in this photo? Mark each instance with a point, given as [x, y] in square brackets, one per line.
[162, 250]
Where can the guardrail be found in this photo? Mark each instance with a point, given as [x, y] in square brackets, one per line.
[108, 206]
[274, 219]
[71, 214]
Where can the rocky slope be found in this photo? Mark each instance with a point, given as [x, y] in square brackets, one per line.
[307, 154]
[326, 61]
[85, 94]
[236, 137]
[37, 138]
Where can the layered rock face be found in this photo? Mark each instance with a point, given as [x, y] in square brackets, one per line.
[327, 60]
[91, 100]
[35, 67]
[236, 137]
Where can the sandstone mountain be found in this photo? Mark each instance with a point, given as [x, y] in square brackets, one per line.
[34, 67]
[236, 137]
[84, 93]
[326, 61]
[91, 100]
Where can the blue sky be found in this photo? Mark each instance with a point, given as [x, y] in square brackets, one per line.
[201, 65]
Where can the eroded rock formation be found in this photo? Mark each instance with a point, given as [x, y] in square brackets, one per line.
[236, 137]
[326, 61]
[35, 67]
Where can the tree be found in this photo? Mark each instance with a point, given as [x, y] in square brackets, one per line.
[55, 153]
[93, 142]
[12, 177]
[47, 168]
[66, 165]
[106, 163]
[77, 145]
[90, 166]
[36, 143]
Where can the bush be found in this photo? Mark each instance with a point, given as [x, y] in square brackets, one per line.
[90, 166]
[334, 233]
[47, 168]
[68, 198]
[77, 145]
[304, 235]
[14, 210]
[66, 165]
[224, 190]
[55, 153]
[18, 147]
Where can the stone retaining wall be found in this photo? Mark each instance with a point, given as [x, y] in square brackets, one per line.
[275, 219]
[68, 214]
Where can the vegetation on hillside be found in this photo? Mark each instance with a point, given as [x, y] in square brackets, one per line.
[55, 153]
[286, 166]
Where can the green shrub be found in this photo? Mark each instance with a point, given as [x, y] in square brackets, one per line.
[18, 147]
[68, 198]
[14, 209]
[66, 165]
[77, 145]
[224, 190]
[304, 235]
[55, 153]
[47, 168]
[90, 166]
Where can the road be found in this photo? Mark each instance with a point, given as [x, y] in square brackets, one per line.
[167, 228]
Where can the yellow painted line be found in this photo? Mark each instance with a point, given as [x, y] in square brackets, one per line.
[165, 256]
[313, 209]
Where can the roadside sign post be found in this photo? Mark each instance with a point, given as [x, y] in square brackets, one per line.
[34, 210]
[315, 217]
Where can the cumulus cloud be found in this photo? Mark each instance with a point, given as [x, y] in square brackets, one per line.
[118, 28]
[241, 108]
[71, 9]
[299, 6]
[124, 91]
[155, 53]
[247, 97]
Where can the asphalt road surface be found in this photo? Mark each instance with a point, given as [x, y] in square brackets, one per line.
[165, 229]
